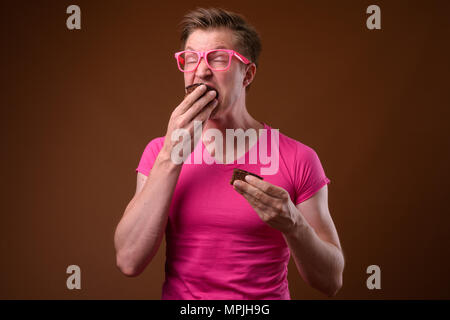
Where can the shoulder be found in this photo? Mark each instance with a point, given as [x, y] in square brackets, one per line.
[149, 155]
[155, 144]
[296, 149]
[152, 148]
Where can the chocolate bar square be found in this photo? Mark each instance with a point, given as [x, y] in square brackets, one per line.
[239, 174]
[192, 87]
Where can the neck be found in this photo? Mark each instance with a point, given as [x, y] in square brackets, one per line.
[237, 117]
[244, 121]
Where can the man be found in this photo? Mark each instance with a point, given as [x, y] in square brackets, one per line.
[223, 241]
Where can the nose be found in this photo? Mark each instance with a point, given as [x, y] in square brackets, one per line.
[203, 71]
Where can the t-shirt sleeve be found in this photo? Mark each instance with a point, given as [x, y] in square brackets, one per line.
[309, 174]
[149, 155]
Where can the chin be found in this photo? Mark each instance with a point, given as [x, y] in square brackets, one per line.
[215, 114]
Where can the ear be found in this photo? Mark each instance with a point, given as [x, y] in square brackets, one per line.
[250, 71]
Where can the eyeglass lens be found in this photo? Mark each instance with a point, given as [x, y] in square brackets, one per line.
[217, 60]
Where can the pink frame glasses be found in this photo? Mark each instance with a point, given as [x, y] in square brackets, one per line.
[203, 54]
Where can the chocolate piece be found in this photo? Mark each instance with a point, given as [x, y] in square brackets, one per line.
[239, 174]
[192, 87]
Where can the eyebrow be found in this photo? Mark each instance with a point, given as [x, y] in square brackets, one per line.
[218, 47]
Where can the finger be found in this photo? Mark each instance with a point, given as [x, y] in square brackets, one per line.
[259, 206]
[256, 193]
[202, 116]
[199, 106]
[190, 99]
[206, 111]
[263, 211]
[267, 187]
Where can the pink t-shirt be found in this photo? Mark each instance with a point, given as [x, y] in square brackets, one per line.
[217, 246]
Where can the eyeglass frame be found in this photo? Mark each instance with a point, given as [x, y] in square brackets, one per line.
[203, 54]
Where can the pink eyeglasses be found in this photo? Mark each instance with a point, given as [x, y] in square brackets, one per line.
[217, 59]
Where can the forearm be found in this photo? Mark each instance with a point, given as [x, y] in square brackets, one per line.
[319, 262]
[140, 232]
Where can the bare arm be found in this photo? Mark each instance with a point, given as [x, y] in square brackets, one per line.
[140, 231]
[315, 246]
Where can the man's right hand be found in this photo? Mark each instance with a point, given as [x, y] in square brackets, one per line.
[197, 106]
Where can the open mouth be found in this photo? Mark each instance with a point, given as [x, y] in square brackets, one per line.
[192, 87]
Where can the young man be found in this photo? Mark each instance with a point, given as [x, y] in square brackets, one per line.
[223, 241]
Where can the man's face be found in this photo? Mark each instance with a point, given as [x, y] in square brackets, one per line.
[229, 84]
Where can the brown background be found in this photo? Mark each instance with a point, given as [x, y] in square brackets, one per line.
[78, 108]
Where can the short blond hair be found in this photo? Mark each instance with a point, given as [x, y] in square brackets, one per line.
[248, 40]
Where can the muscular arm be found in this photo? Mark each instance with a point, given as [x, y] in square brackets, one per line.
[141, 229]
[314, 244]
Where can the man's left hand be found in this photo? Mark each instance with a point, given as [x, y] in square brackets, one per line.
[272, 203]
